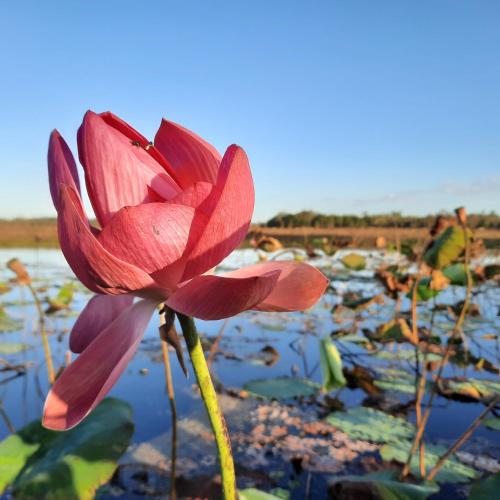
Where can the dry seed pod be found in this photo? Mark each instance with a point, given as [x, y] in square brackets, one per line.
[461, 214]
[440, 224]
[17, 267]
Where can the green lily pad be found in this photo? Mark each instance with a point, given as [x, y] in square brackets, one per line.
[380, 486]
[354, 261]
[331, 365]
[62, 300]
[447, 248]
[395, 330]
[282, 388]
[371, 425]
[452, 471]
[405, 355]
[255, 494]
[424, 290]
[13, 347]
[7, 323]
[39, 463]
[486, 489]
[456, 274]
[479, 389]
[492, 423]
[360, 303]
[396, 381]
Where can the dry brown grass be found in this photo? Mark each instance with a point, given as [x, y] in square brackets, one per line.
[42, 233]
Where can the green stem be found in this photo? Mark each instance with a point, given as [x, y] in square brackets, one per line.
[209, 397]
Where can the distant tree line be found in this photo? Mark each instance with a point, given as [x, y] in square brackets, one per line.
[395, 219]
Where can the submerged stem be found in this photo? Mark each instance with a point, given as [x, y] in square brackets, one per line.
[173, 408]
[43, 333]
[209, 397]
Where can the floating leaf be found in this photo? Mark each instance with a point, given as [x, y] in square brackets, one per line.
[359, 303]
[424, 290]
[40, 463]
[447, 248]
[371, 425]
[456, 274]
[379, 486]
[397, 381]
[469, 389]
[4, 287]
[331, 365]
[255, 494]
[354, 261]
[62, 300]
[486, 489]
[395, 330]
[267, 356]
[281, 388]
[452, 471]
[13, 347]
[405, 355]
[8, 324]
[492, 423]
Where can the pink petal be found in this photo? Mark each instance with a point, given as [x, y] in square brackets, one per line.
[193, 158]
[224, 217]
[215, 297]
[150, 236]
[94, 266]
[86, 381]
[100, 311]
[62, 167]
[118, 173]
[194, 195]
[299, 285]
[134, 136]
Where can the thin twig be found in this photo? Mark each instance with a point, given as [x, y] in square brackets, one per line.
[43, 334]
[173, 408]
[462, 439]
[444, 360]
[215, 346]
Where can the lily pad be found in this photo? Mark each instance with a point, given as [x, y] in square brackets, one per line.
[447, 248]
[13, 347]
[255, 494]
[354, 261]
[492, 423]
[7, 323]
[39, 463]
[379, 486]
[360, 303]
[405, 355]
[456, 274]
[62, 300]
[395, 330]
[424, 290]
[486, 489]
[452, 471]
[474, 389]
[282, 388]
[371, 425]
[396, 381]
[331, 365]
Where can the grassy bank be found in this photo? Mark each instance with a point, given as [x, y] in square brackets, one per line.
[42, 233]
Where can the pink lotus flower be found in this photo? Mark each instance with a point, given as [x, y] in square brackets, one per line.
[169, 213]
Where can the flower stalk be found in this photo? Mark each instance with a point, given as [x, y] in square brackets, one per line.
[209, 397]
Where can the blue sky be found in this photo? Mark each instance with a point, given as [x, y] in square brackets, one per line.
[342, 106]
